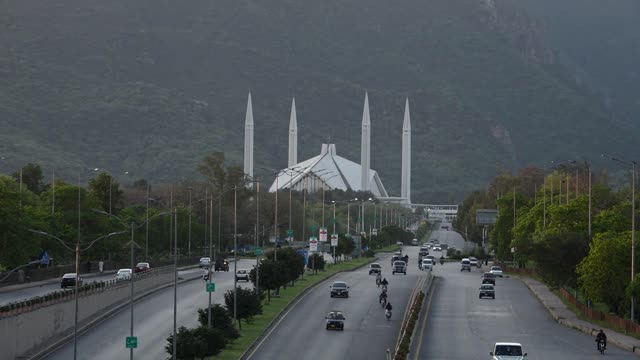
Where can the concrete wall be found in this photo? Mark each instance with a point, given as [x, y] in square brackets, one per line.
[26, 332]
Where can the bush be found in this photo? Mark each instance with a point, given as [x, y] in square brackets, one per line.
[369, 253]
[220, 319]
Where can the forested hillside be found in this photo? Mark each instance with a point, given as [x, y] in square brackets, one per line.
[151, 87]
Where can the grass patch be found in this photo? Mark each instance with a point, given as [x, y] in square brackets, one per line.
[251, 331]
[390, 248]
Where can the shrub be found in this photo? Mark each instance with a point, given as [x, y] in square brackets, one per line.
[369, 253]
[220, 319]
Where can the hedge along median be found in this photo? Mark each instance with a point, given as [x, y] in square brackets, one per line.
[251, 332]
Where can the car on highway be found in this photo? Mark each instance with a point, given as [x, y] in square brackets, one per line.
[415, 242]
[242, 274]
[395, 258]
[487, 290]
[399, 267]
[474, 261]
[375, 268]
[507, 351]
[335, 320]
[69, 279]
[496, 270]
[426, 264]
[339, 289]
[123, 275]
[423, 252]
[465, 264]
[399, 243]
[205, 262]
[142, 267]
[488, 278]
[437, 248]
[221, 265]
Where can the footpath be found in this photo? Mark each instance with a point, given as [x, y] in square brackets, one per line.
[566, 317]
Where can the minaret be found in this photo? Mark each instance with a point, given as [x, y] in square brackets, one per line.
[365, 147]
[406, 155]
[293, 135]
[248, 139]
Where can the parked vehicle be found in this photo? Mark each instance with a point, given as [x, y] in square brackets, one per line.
[123, 275]
[465, 264]
[69, 279]
[339, 289]
[142, 267]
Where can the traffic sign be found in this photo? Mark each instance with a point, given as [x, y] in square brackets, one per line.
[314, 228]
[323, 234]
[258, 251]
[290, 233]
[334, 220]
[334, 239]
[211, 287]
[313, 244]
[131, 342]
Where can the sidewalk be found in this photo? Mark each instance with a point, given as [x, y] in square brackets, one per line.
[566, 317]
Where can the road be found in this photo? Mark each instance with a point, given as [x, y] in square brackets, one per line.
[461, 326]
[153, 321]
[30, 292]
[301, 333]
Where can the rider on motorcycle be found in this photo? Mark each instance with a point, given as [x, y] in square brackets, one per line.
[378, 279]
[442, 260]
[384, 282]
[388, 307]
[383, 296]
[205, 275]
[601, 337]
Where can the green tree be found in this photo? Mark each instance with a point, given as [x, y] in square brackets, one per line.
[604, 273]
[249, 304]
[99, 189]
[271, 276]
[292, 261]
[32, 178]
[345, 246]
[220, 319]
[196, 343]
[557, 253]
[316, 262]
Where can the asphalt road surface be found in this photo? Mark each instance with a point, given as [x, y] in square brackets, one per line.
[153, 321]
[301, 333]
[30, 292]
[461, 326]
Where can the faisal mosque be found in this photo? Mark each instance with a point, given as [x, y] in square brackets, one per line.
[330, 171]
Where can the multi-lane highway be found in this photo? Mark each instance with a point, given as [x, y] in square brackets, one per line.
[30, 292]
[153, 321]
[461, 326]
[301, 333]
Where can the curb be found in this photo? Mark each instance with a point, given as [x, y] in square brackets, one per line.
[570, 324]
[289, 305]
[100, 318]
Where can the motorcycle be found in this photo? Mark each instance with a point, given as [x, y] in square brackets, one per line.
[601, 346]
[441, 261]
[384, 288]
[383, 301]
[387, 313]
[378, 281]
[205, 276]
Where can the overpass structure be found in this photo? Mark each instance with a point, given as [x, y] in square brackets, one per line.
[446, 213]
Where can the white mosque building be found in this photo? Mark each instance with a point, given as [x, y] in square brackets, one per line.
[330, 171]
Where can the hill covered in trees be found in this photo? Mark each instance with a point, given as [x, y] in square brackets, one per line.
[151, 87]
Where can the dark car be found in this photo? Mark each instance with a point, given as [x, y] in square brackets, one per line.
[69, 280]
[339, 288]
[142, 267]
[335, 320]
[488, 278]
[487, 290]
[221, 265]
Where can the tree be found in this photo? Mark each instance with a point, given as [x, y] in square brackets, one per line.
[292, 261]
[271, 276]
[99, 188]
[604, 273]
[345, 245]
[557, 253]
[196, 343]
[248, 303]
[31, 178]
[316, 261]
[220, 319]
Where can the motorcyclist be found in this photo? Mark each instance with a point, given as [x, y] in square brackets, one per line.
[442, 260]
[384, 282]
[378, 279]
[205, 275]
[601, 337]
[388, 307]
[383, 296]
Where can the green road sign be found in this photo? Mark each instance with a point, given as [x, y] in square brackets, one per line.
[211, 287]
[257, 251]
[314, 228]
[131, 342]
[333, 220]
[290, 232]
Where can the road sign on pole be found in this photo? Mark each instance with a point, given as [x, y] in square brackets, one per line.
[323, 234]
[211, 287]
[334, 239]
[313, 244]
[257, 251]
[131, 342]
[314, 228]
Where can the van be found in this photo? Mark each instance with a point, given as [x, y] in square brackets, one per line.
[414, 242]
[465, 265]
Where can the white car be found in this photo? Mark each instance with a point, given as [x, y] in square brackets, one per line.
[474, 261]
[437, 248]
[123, 275]
[427, 264]
[496, 270]
[205, 262]
[242, 274]
[507, 351]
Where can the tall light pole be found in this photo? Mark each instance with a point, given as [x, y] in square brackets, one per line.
[146, 236]
[633, 222]
[189, 243]
[53, 191]
[175, 286]
[235, 254]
